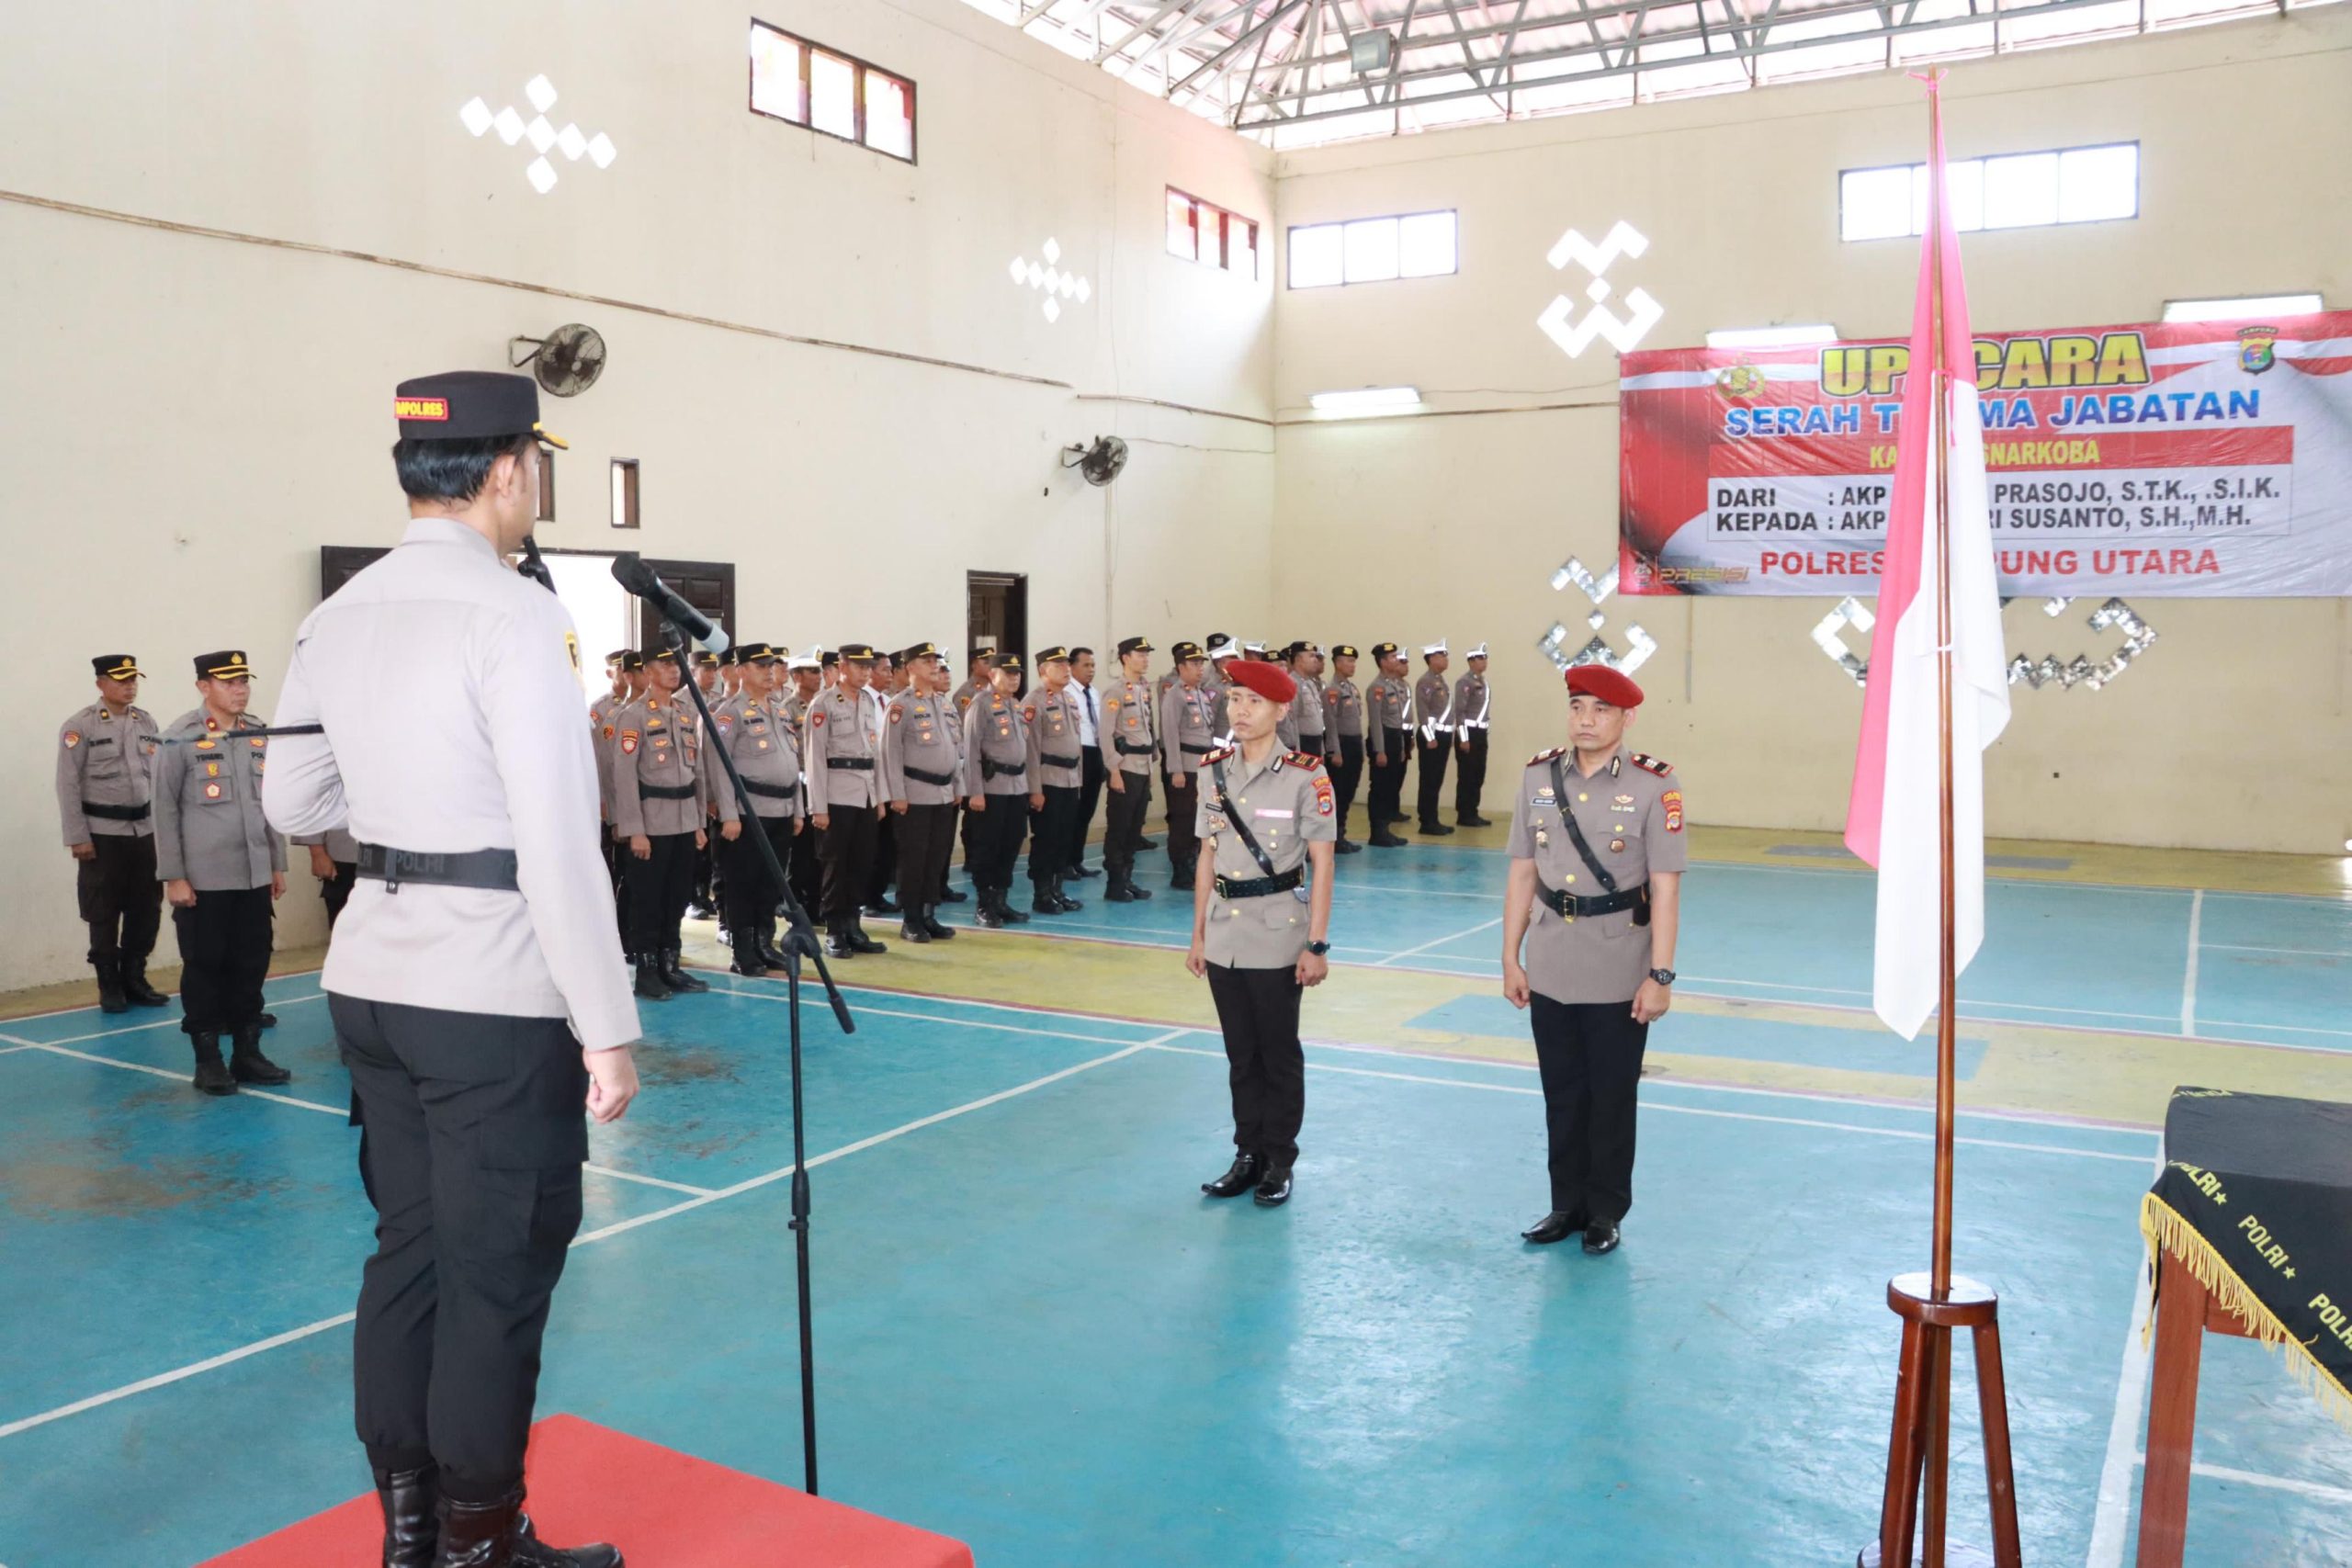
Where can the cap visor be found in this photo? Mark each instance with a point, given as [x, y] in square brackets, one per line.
[558, 442]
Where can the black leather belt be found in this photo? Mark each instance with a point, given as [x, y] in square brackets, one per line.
[1127, 750]
[773, 792]
[850, 764]
[1190, 750]
[1057, 762]
[666, 792]
[467, 868]
[1311, 740]
[1259, 886]
[115, 813]
[992, 768]
[1562, 902]
[942, 780]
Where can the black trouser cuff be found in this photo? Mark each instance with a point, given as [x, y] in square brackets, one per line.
[386, 1460]
[474, 1489]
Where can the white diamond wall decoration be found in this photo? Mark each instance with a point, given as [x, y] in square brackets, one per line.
[510, 125]
[601, 151]
[1639, 644]
[541, 133]
[1623, 334]
[475, 117]
[541, 173]
[541, 92]
[571, 141]
[1050, 278]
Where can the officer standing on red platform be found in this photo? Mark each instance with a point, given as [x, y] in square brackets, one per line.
[1595, 898]
[105, 779]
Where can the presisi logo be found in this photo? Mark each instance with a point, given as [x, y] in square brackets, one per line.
[2018, 365]
[421, 408]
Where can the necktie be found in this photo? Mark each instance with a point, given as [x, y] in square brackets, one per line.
[1091, 717]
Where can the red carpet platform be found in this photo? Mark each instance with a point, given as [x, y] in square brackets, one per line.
[663, 1508]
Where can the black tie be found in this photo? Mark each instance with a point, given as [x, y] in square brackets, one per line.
[1092, 717]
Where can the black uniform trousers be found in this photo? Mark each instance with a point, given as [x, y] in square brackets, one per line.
[1388, 782]
[1122, 824]
[959, 822]
[1470, 779]
[882, 866]
[225, 940]
[1092, 772]
[996, 840]
[1183, 808]
[472, 1140]
[1432, 775]
[704, 889]
[1590, 1054]
[616, 859]
[807, 872]
[658, 887]
[1347, 776]
[335, 891]
[923, 835]
[1266, 1068]
[120, 899]
[848, 851]
[1053, 849]
[751, 895]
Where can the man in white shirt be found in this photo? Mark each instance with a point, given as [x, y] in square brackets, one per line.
[475, 979]
[1090, 750]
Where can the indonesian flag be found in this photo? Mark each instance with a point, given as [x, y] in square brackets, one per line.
[1893, 819]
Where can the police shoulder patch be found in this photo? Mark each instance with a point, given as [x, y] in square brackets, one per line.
[71, 739]
[1651, 764]
[1542, 757]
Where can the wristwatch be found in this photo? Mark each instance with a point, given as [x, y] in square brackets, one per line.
[1663, 977]
[1318, 948]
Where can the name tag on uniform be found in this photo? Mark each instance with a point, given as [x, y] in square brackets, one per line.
[1274, 811]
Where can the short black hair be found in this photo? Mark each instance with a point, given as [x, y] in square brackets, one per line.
[1076, 653]
[452, 470]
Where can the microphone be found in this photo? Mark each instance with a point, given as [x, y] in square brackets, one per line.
[631, 572]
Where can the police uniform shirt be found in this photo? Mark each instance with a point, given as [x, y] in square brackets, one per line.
[1631, 812]
[1186, 717]
[839, 724]
[1391, 700]
[1304, 721]
[209, 830]
[337, 841]
[658, 742]
[995, 731]
[920, 734]
[1130, 717]
[106, 755]
[488, 752]
[600, 735]
[967, 691]
[1055, 761]
[1288, 805]
[766, 752]
[1472, 704]
[1344, 708]
[1433, 706]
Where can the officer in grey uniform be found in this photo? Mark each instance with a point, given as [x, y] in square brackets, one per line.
[1434, 734]
[475, 980]
[1388, 725]
[1056, 774]
[1305, 726]
[766, 752]
[703, 903]
[1187, 735]
[1473, 706]
[1259, 935]
[1344, 708]
[662, 803]
[921, 764]
[841, 747]
[106, 775]
[943, 685]
[1130, 743]
[1594, 899]
[222, 869]
[1222, 651]
[334, 862]
[627, 668]
[996, 792]
[805, 675]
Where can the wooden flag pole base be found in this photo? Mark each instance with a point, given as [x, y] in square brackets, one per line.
[1918, 1452]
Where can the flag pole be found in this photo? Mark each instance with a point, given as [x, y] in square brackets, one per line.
[1948, 996]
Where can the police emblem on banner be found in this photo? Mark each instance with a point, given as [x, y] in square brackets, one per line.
[2257, 349]
[1739, 380]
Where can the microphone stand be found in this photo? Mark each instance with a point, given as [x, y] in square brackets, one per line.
[800, 941]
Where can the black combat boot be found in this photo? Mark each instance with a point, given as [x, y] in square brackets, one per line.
[676, 976]
[212, 1074]
[837, 943]
[135, 986]
[749, 962]
[650, 984]
[930, 923]
[858, 940]
[247, 1065]
[1070, 905]
[990, 915]
[410, 1528]
[110, 993]
[911, 928]
[498, 1535]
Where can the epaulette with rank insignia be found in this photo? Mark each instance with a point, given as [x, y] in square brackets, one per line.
[1543, 757]
[1305, 760]
[1645, 760]
[1220, 754]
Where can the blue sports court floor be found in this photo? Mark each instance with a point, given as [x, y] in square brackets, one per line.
[1033, 1335]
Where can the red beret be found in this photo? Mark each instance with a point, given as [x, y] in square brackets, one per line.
[1269, 681]
[1599, 681]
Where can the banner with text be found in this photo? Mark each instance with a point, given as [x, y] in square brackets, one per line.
[2211, 459]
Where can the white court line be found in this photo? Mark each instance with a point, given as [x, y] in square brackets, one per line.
[2188, 976]
[2123, 1429]
[1903, 1133]
[2318, 1489]
[819, 1000]
[173, 1022]
[290, 1336]
[2297, 951]
[1441, 942]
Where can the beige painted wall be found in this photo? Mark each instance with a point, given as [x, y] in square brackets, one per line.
[190, 418]
[2231, 732]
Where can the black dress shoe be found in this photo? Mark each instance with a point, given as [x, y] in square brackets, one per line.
[910, 929]
[1433, 829]
[748, 963]
[1273, 1188]
[1241, 1176]
[1117, 892]
[771, 954]
[1558, 1225]
[931, 924]
[674, 974]
[1043, 902]
[1147, 843]
[698, 911]
[1474, 821]
[269, 1020]
[1070, 905]
[1083, 871]
[859, 942]
[1599, 1238]
[111, 996]
[407, 1497]
[492, 1535]
[836, 945]
[989, 916]
[1384, 840]
[247, 1065]
[953, 895]
[1004, 906]
[1348, 847]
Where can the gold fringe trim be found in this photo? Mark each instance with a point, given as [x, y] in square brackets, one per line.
[2167, 1231]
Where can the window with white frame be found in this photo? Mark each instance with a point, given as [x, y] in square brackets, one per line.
[2018, 190]
[1373, 250]
[1203, 232]
[823, 89]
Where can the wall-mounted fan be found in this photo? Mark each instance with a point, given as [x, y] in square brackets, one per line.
[1101, 462]
[567, 361]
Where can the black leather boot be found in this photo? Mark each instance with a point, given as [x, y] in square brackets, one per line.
[247, 1065]
[650, 984]
[1041, 900]
[748, 961]
[911, 928]
[411, 1528]
[1241, 1176]
[110, 995]
[990, 914]
[770, 953]
[1119, 890]
[498, 1535]
[837, 943]
[930, 923]
[1070, 905]
[858, 940]
[212, 1075]
[676, 976]
[951, 896]
[135, 986]
[1013, 917]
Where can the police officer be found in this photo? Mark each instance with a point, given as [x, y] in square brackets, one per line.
[996, 792]
[981, 680]
[1222, 651]
[628, 670]
[921, 762]
[662, 803]
[1344, 738]
[1472, 719]
[222, 869]
[1130, 731]
[1387, 724]
[805, 675]
[1057, 776]
[1259, 936]
[767, 751]
[106, 775]
[942, 684]
[883, 684]
[475, 979]
[842, 746]
[1187, 735]
[703, 904]
[1433, 733]
[1087, 705]
[1597, 857]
